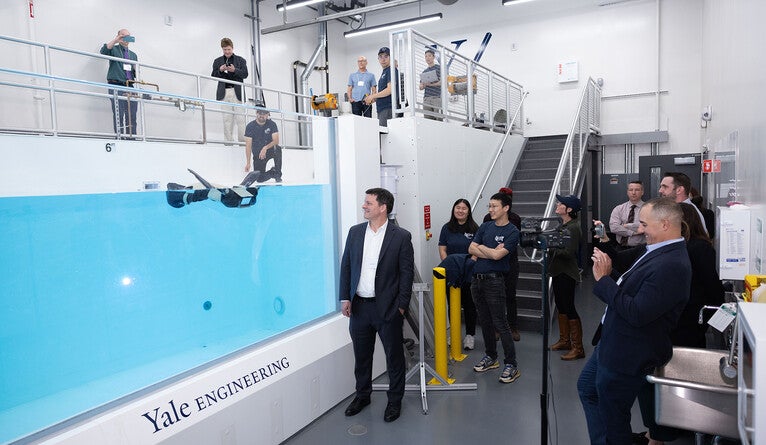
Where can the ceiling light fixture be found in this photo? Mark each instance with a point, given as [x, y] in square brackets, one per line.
[514, 2]
[392, 25]
[296, 4]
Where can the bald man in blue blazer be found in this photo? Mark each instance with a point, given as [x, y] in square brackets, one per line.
[376, 276]
[644, 305]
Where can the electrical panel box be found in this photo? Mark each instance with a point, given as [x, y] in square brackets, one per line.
[733, 243]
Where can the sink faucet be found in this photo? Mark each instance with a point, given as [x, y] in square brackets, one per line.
[702, 310]
[728, 365]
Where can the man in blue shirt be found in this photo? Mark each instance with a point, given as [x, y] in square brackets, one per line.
[430, 81]
[361, 84]
[383, 96]
[491, 246]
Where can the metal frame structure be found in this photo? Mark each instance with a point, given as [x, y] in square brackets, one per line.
[471, 93]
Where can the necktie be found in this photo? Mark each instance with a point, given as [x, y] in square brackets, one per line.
[631, 218]
[126, 55]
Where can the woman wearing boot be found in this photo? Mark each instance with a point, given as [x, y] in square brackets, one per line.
[565, 273]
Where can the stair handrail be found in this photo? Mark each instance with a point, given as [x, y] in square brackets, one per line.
[590, 102]
[500, 149]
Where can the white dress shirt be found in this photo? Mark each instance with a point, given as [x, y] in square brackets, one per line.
[373, 241]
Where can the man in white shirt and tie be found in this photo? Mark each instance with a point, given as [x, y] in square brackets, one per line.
[624, 219]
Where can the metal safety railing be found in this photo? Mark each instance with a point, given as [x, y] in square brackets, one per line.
[60, 91]
[488, 100]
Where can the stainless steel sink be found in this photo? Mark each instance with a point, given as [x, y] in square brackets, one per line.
[691, 393]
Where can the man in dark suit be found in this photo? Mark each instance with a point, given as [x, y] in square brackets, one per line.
[643, 308]
[376, 276]
[234, 68]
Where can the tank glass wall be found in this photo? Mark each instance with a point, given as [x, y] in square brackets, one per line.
[104, 295]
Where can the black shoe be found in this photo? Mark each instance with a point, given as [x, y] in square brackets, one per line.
[356, 405]
[639, 438]
[250, 179]
[393, 410]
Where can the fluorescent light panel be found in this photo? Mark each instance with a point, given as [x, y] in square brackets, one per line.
[514, 2]
[296, 4]
[392, 25]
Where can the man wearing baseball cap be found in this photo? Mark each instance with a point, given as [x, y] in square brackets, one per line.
[383, 96]
[262, 144]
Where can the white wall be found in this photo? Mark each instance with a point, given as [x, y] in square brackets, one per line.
[733, 64]
[439, 164]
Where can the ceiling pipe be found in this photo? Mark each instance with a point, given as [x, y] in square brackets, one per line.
[327, 18]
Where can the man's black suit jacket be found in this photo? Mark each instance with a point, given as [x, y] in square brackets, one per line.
[643, 310]
[395, 272]
[240, 73]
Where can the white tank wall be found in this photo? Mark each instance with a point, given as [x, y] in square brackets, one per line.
[316, 373]
[441, 163]
[41, 165]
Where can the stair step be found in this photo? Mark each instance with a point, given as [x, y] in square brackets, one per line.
[531, 196]
[525, 164]
[531, 185]
[535, 173]
[529, 276]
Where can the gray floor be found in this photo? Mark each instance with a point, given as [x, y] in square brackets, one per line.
[494, 413]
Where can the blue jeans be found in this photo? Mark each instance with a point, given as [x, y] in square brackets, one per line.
[607, 397]
[490, 300]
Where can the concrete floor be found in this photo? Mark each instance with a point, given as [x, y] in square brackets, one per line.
[494, 413]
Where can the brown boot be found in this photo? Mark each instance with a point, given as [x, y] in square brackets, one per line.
[577, 351]
[563, 344]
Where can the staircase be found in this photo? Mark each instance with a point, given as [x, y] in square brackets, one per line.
[531, 183]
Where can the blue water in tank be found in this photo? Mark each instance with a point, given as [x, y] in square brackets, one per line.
[103, 295]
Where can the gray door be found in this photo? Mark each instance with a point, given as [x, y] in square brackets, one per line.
[652, 168]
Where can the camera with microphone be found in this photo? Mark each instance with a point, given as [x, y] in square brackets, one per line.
[533, 234]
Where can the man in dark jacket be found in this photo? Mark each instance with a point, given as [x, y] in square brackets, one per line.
[123, 74]
[233, 68]
[376, 277]
[644, 305]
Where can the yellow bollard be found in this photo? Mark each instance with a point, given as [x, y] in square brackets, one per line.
[440, 326]
[454, 325]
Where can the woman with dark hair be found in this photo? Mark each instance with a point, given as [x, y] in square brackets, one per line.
[707, 214]
[706, 286]
[455, 237]
[565, 274]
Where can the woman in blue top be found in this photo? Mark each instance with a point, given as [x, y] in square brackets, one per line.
[455, 237]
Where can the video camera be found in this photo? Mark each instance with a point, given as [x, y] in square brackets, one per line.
[533, 235]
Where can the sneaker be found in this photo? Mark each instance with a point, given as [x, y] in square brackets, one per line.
[510, 374]
[468, 342]
[486, 364]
